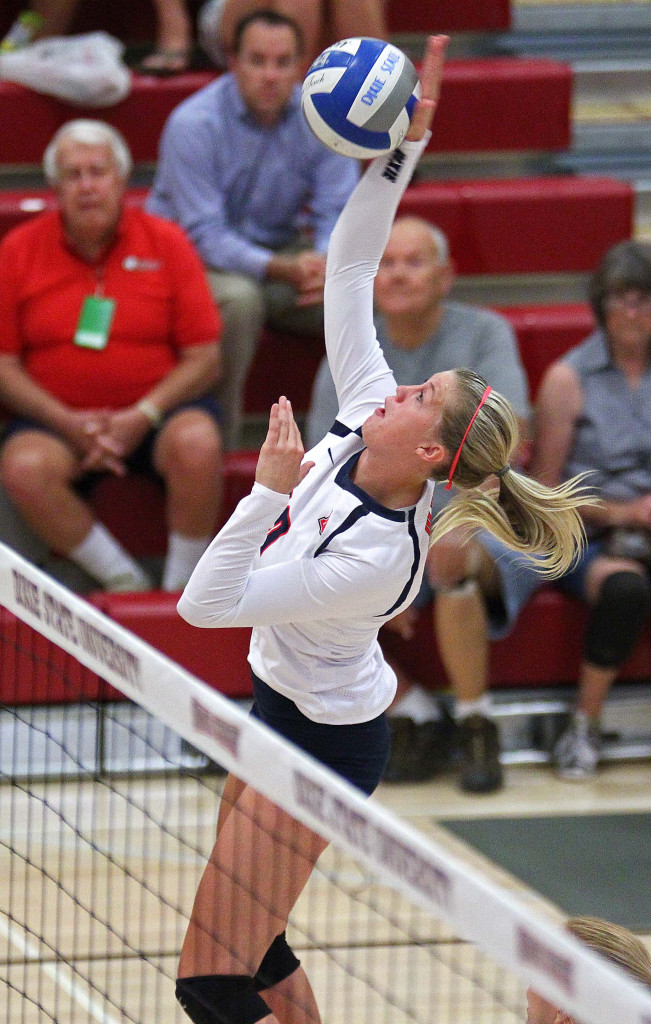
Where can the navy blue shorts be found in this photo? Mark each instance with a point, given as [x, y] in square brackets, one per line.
[359, 753]
[141, 458]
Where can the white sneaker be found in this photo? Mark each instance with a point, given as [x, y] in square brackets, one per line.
[576, 753]
[128, 583]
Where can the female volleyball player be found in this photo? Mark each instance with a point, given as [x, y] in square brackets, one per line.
[319, 555]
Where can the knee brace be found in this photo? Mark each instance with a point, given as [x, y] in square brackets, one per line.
[221, 999]
[617, 619]
[277, 964]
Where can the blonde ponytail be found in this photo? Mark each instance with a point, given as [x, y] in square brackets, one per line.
[542, 522]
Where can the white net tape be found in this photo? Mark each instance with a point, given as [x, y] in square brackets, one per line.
[400, 883]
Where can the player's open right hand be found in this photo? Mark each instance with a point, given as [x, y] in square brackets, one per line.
[280, 465]
[431, 76]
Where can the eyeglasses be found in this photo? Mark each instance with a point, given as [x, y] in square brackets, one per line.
[630, 301]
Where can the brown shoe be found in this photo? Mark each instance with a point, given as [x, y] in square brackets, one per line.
[479, 746]
[418, 752]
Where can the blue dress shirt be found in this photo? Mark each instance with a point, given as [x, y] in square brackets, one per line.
[242, 190]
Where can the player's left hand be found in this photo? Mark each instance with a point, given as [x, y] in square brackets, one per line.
[431, 76]
[280, 465]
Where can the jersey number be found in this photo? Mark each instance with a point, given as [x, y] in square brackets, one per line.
[279, 529]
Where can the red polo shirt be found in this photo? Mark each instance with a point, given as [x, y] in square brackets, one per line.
[163, 305]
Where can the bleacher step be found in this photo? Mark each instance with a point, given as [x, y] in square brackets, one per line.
[486, 104]
[517, 226]
[587, 24]
[529, 722]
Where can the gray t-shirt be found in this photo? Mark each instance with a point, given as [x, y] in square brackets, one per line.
[474, 338]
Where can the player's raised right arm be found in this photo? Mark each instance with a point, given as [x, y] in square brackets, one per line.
[360, 373]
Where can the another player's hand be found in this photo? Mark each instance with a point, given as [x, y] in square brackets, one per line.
[431, 76]
[280, 465]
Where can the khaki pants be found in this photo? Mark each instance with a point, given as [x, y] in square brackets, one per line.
[246, 306]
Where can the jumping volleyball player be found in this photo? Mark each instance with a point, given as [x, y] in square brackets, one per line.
[316, 559]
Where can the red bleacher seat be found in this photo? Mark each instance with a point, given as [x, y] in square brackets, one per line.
[503, 104]
[486, 104]
[448, 16]
[526, 225]
[513, 225]
[545, 333]
[283, 365]
[35, 671]
[218, 656]
[544, 649]
[559, 212]
[140, 116]
[133, 509]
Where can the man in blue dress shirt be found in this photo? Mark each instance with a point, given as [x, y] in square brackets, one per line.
[258, 194]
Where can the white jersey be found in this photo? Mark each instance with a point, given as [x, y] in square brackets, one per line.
[317, 572]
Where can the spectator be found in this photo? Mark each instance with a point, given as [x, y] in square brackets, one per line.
[238, 166]
[612, 941]
[593, 414]
[320, 24]
[172, 52]
[422, 332]
[109, 343]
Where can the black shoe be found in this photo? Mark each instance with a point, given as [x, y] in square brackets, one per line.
[479, 746]
[418, 752]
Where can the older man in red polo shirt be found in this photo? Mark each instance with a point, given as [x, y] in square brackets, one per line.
[108, 354]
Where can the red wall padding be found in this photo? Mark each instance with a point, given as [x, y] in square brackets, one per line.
[448, 15]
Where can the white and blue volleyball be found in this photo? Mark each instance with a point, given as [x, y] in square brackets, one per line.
[359, 95]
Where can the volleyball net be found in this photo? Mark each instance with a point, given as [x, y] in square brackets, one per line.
[112, 763]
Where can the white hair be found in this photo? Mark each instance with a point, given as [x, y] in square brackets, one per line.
[441, 244]
[440, 241]
[88, 133]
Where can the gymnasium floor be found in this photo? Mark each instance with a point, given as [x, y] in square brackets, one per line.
[529, 790]
[338, 911]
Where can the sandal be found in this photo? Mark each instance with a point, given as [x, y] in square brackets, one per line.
[163, 62]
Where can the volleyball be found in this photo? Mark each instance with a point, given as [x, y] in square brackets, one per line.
[359, 95]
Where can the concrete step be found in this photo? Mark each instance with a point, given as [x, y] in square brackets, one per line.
[530, 721]
[597, 26]
[121, 737]
[520, 289]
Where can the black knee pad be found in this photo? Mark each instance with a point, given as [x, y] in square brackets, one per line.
[221, 999]
[277, 964]
[617, 619]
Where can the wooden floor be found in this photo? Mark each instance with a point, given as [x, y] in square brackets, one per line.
[369, 953]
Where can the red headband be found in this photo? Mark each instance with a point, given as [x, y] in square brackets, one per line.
[463, 439]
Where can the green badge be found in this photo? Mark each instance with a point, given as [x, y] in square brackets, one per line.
[94, 322]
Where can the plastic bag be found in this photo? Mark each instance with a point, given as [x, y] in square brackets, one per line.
[86, 70]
